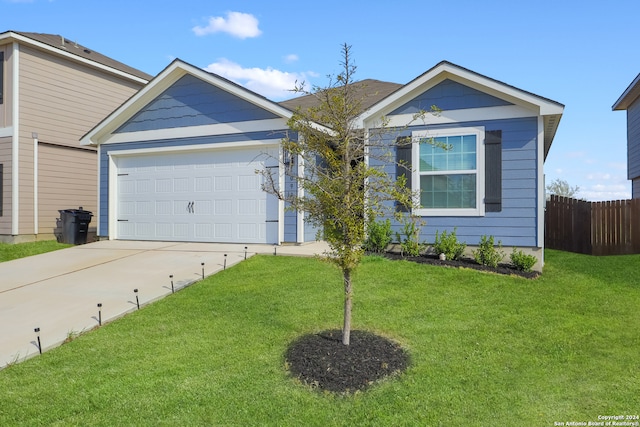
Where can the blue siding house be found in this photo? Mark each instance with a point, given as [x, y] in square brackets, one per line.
[630, 101]
[491, 181]
[178, 160]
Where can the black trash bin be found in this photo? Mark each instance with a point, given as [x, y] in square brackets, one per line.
[75, 225]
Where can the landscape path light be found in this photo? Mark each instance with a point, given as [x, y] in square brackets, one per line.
[202, 264]
[224, 266]
[135, 291]
[37, 331]
[172, 290]
[100, 314]
[245, 253]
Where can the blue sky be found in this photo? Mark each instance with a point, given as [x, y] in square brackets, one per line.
[581, 54]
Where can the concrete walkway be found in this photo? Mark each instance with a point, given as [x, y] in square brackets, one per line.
[59, 291]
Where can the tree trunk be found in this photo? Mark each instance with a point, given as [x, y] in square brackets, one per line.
[346, 329]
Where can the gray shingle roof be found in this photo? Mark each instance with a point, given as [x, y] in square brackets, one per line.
[66, 45]
[370, 90]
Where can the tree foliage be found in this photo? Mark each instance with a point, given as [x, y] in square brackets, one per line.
[340, 190]
[560, 187]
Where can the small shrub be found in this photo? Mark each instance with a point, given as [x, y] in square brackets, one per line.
[522, 261]
[448, 245]
[378, 236]
[487, 254]
[410, 238]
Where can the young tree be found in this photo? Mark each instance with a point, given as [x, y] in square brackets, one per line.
[560, 187]
[340, 189]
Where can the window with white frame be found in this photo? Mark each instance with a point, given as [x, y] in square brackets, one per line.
[448, 171]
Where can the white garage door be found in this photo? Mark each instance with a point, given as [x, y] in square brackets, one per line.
[211, 196]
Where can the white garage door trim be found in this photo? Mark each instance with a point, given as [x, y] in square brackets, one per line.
[238, 147]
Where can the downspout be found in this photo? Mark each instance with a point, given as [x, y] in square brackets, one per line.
[99, 156]
[540, 180]
[15, 142]
[281, 185]
[36, 226]
[300, 220]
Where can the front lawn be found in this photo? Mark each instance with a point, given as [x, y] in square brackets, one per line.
[10, 251]
[485, 349]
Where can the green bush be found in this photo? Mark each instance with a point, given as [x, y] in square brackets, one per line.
[410, 238]
[522, 261]
[487, 254]
[378, 236]
[448, 245]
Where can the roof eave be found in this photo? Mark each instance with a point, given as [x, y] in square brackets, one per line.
[629, 96]
[14, 36]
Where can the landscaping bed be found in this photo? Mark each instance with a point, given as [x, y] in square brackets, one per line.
[321, 360]
[507, 269]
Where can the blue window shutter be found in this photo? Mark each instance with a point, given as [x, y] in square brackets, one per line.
[493, 171]
[403, 165]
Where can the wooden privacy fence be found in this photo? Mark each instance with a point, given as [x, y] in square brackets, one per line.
[594, 228]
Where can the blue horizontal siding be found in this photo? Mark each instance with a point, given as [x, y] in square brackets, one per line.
[633, 140]
[635, 188]
[193, 102]
[516, 224]
[450, 95]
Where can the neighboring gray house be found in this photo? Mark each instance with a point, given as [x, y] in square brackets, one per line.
[177, 160]
[630, 101]
[52, 91]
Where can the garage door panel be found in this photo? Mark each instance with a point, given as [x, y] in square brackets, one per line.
[181, 207]
[223, 231]
[164, 207]
[204, 196]
[202, 207]
[224, 183]
[223, 207]
[248, 207]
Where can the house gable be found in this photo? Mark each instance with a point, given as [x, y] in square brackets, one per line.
[186, 101]
[450, 95]
[191, 101]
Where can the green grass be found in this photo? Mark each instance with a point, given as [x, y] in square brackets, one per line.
[10, 252]
[486, 350]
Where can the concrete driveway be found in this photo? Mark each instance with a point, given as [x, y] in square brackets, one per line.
[59, 291]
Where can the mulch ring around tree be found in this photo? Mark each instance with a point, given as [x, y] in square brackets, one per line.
[507, 269]
[321, 360]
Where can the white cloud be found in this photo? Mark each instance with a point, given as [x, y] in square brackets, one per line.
[237, 24]
[622, 166]
[291, 58]
[269, 82]
[575, 154]
[605, 187]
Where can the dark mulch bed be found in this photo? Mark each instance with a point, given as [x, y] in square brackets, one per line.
[461, 263]
[321, 360]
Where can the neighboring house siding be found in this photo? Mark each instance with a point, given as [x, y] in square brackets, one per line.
[150, 145]
[60, 101]
[449, 95]
[516, 224]
[5, 161]
[633, 140]
[193, 102]
[5, 86]
[62, 187]
[635, 188]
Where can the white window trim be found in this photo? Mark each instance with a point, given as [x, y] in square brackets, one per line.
[480, 172]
